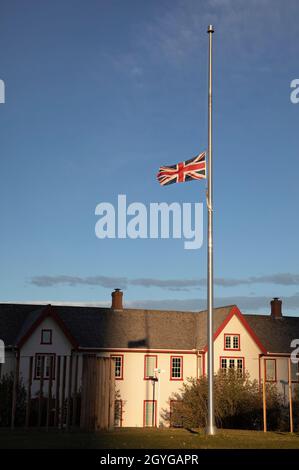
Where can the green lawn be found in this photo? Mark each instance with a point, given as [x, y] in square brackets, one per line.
[133, 438]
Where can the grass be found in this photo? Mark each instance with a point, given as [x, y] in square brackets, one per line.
[140, 438]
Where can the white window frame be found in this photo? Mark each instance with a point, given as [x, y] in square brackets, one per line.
[38, 365]
[232, 363]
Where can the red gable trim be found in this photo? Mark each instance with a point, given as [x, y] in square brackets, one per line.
[236, 311]
[48, 311]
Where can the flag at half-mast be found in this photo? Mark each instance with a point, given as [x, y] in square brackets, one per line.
[193, 169]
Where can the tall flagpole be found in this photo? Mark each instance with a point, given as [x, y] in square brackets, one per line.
[211, 429]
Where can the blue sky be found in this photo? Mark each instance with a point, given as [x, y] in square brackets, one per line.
[99, 94]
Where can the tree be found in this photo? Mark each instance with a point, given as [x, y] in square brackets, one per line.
[238, 403]
[6, 392]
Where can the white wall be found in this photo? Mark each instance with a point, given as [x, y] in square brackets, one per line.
[248, 348]
[60, 346]
[134, 389]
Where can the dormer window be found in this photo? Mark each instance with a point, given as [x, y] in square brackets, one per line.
[232, 342]
[46, 337]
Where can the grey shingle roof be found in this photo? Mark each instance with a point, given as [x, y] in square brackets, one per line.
[153, 329]
[94, 327]
[220, 315]
[12, 319]
[275, 334]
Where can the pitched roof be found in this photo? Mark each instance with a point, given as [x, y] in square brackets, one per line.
[220, 314]
[95, 327]
[12, 319]
[275, 334]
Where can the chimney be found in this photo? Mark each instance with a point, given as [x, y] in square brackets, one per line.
[276, 312]
[117, 299]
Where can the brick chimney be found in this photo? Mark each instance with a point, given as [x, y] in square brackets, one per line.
[117, 299]
[276, 312]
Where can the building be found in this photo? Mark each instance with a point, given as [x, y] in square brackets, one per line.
[154, 350]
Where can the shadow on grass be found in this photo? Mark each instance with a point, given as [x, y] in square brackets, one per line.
[192, 431]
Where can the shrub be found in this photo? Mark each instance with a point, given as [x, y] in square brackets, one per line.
[6, 392]
[238, 403]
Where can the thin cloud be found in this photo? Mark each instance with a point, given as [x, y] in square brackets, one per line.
[166, 283]
[73, 281]
[249, 304]
[112, 282]
[283, 279]
[176, 34]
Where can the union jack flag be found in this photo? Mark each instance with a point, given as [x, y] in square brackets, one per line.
[193, 169]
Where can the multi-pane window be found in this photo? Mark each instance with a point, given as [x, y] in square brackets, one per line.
[232, 363]
[150, 364]
[270, 370]
[223, 363]
[232, 342]
[46, 337]
[118, 364]
[176, 368]
[118, 413]
[240, 366]
[43, 364]
[149, 413]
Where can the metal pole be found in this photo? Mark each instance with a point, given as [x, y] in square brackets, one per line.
[15, 389]
[158, 401]
[265, 397]
[211, 429]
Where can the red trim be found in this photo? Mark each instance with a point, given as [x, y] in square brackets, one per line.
[41, 336]
[203, 364]
[278, 355]
[144, 371]
[122, 365]
[275, 369]
[138, 350]
[48, 311]
[35, 364]
[232, 340]
[175, 379]
[155, 418]
[232, 357]
[236, 311]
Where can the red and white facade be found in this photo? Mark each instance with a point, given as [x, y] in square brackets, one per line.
[147, 378]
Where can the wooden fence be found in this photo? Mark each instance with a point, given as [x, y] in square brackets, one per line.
[98, 393]
[63, 392]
